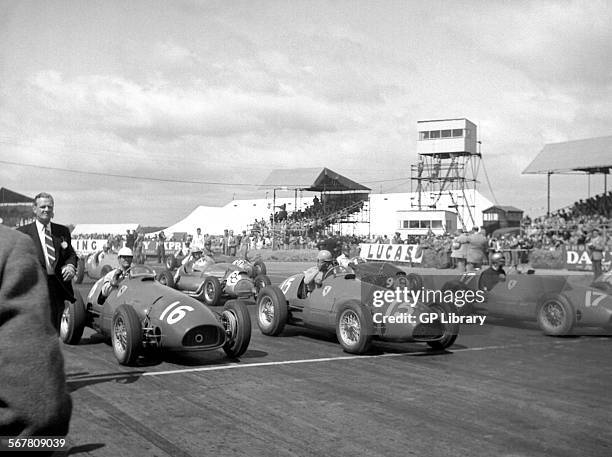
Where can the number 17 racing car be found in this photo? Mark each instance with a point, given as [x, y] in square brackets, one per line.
[142, 314]
[209, 281]
[357, 311]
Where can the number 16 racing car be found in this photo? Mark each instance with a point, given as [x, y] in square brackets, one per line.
[355, 310]
[142, 314]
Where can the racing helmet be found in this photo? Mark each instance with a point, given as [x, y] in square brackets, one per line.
[498, 259]
[125, 252]
[324, 256]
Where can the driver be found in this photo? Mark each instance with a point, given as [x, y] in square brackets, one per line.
[114, 277]
[495, 273]
[313, 277]
[190, 263]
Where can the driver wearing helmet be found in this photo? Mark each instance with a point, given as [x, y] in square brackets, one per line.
[190, 263]
[313, 277]
[495, 273]
[114, 277]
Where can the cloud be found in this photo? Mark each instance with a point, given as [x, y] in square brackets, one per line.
[158, 110]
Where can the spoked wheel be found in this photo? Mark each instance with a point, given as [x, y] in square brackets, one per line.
[126, 335]
[166, 278]
[260, 282]
[73, 321]
[272, 312]
[211, 290]
[352, 329]
[237, 323]
[451, 331]
[556, 316]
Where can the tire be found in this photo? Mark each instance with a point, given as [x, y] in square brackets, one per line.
[237, 322]
[211, 291]
[556, 315]
[126, 335]
[352, 329]
[259, 268]
[451, 331]
[171, 262]
[105, 270]
[272, 312]
[73, 321]
[80, 271]
[166, 278]
[260, 282]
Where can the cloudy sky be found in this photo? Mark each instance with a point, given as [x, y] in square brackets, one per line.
[171, 104]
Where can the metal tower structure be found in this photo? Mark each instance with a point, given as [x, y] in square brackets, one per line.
[446, 175]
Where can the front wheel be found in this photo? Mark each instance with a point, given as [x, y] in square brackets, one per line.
[211, 290]
[451, 331]
[126, 335]
[556, 316]
[237, 323]
[166, 278]
[272, 312]
[73, 321]
[352, 329]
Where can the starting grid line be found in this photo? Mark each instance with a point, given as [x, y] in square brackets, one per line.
[316, 360]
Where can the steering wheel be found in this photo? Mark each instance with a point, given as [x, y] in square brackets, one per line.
[336, 270]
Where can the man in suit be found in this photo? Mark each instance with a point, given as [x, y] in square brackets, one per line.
[55, 253]
[34, 400]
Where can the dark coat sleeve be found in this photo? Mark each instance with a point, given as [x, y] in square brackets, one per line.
[33, 394]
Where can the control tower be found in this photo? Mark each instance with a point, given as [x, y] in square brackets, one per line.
[448, 165]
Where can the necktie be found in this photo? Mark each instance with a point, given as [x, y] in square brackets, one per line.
[49, 246]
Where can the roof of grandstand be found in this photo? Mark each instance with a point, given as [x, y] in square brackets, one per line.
[8, 196]
[593, 155]
[310, 179]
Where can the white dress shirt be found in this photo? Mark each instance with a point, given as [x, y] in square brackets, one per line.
[40, 228]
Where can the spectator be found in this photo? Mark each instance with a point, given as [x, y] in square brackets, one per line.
[34, 400]
[161, 247]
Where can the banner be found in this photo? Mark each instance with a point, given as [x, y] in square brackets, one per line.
[577, 258]
[88, 246]
[405, 253]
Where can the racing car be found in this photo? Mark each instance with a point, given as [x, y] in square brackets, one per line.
[142, 314]
[559, 304]
[212, 281]
[347, 306]
[95, 265]
[253, 268]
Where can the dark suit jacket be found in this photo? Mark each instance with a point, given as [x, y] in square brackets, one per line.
[33, 395]
[64, 255]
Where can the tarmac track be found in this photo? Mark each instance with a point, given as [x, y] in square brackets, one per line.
[503, 389]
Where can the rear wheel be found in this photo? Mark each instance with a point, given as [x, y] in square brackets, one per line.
[556, 316]
[126, 335]
[352, 328]
[73, 321]
[166, 278]
[450, 330]
[237, 323]
[272, 312]
[260, 282]
[211, 290]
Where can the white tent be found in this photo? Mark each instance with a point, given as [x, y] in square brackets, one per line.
[237, 215]
[114, 229]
